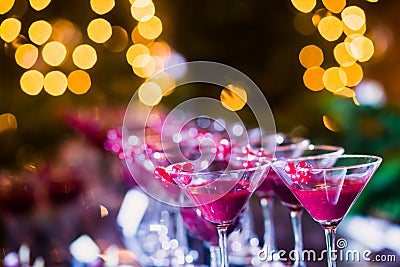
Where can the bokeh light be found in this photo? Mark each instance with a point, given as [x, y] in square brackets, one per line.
[311, 56]
[39, 4]
[330, 28]
[66, 32]
[233, 97]
[330, 124]
[26, 55]
[99, 30]
[9, 29]
[349, 31]
[151, 28]
[362, 48]
[150, 93]
[8, 122]
[345, 92]
[142, 10]
[146, 71]
[118, 40]
[137, 38]
[39, 32]
[342, 55]
[304, 6]
[136, 50]
[55, 83]
[382, 38]
[319, 14]
[141, 60]
[165, 81]
[334, 79]
[54, 53]
[161, 49]
[84, 56]
[79, 82]
[32, 82]
[312, 78]
[354, 74]
[303, 23]
[102, 7]
[371, 93]
[353, 17]
[6, 5]
[335, 6]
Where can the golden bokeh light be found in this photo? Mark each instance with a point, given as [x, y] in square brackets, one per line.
[5, 6]
[319, 14]
[312, 78]
[147, 71]
[354, 74]
[362, 48]
[26, 55]
[151, 28]
[330, 28]
[54, 53]
[79, 82]
[99, 30]
[84, 56]
[8, 122]
[136, 50]
[55, 83]
[32, 82]
[334, 79]
[142, 10]
[345, 92]
[342, 55]
[353, 17]
[66, 32]
[141, 60]
[165, 81]
[139, 39]
[302, 22]
[330, 124]
[304, 6]
[39, 32]
[373, 1]
[335, 6]
[233, 97]
[10, 29]
[150, 93]
[161, 49]
[159, 63]
[310, 56]
[102, 7]
[118, 40]
[39, 4]
[349, 31]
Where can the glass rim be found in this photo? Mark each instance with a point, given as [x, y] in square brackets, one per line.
[377, 161]
[310, 147]
[267, 163]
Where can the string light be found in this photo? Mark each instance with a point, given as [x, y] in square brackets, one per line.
[9, 29]
[99, 30]
[54, 53]
[39, 32]
[84, 56]
[26, 55]
[55, 83]
[32, 82]
[79, 82]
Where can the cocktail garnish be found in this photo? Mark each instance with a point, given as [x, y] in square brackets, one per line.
[162, 174]
[299, 172]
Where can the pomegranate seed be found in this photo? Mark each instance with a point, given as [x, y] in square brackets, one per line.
[177, 167]
[188, 167]
[290, 168]
[184, 179]
[300, 172]
[162, 174]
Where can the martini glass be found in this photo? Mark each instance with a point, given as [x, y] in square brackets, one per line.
[295, 146]
[327, 186]
[220, 190]
[286, 197]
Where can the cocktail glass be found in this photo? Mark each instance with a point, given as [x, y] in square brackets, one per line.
[285, 195]
[220, 190]
[294, 146]
[327, 186]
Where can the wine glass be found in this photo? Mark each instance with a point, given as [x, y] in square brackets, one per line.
[220, 189]
[296, 145]
[285, 195]
[327, 186]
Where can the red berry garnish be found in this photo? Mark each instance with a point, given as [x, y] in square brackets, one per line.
[188, 167]
[299, 172]
[177, 167]
[184, 179]
[162, 174]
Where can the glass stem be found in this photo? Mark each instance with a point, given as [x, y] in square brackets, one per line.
[223, 244]
[330, 233]
[295, 216]
[267, 205]
[215, 258]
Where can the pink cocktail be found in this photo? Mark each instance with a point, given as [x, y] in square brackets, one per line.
[327, 186]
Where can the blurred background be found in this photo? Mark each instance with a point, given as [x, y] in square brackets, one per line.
[329, 70]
